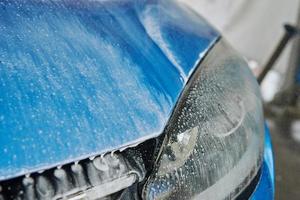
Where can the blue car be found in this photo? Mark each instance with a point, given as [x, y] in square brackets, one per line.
[124, 99]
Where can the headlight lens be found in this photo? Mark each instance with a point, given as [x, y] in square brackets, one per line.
[214, 141]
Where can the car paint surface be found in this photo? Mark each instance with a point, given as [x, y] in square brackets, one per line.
[79, 79]
[266, 185]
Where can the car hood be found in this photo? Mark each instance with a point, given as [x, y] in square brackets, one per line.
[78, 79]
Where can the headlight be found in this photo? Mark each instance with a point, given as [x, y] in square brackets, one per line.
[213, 144]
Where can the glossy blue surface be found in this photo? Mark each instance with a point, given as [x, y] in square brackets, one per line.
[266, 185]
[82, 78]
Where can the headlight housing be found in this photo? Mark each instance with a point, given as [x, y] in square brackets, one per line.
[213, 145]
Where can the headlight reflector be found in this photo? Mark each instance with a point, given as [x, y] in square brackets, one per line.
[213, 144]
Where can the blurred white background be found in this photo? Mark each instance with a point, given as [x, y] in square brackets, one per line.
[254, 28]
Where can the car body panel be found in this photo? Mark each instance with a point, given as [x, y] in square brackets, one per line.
[265, 188]
[79, 79]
